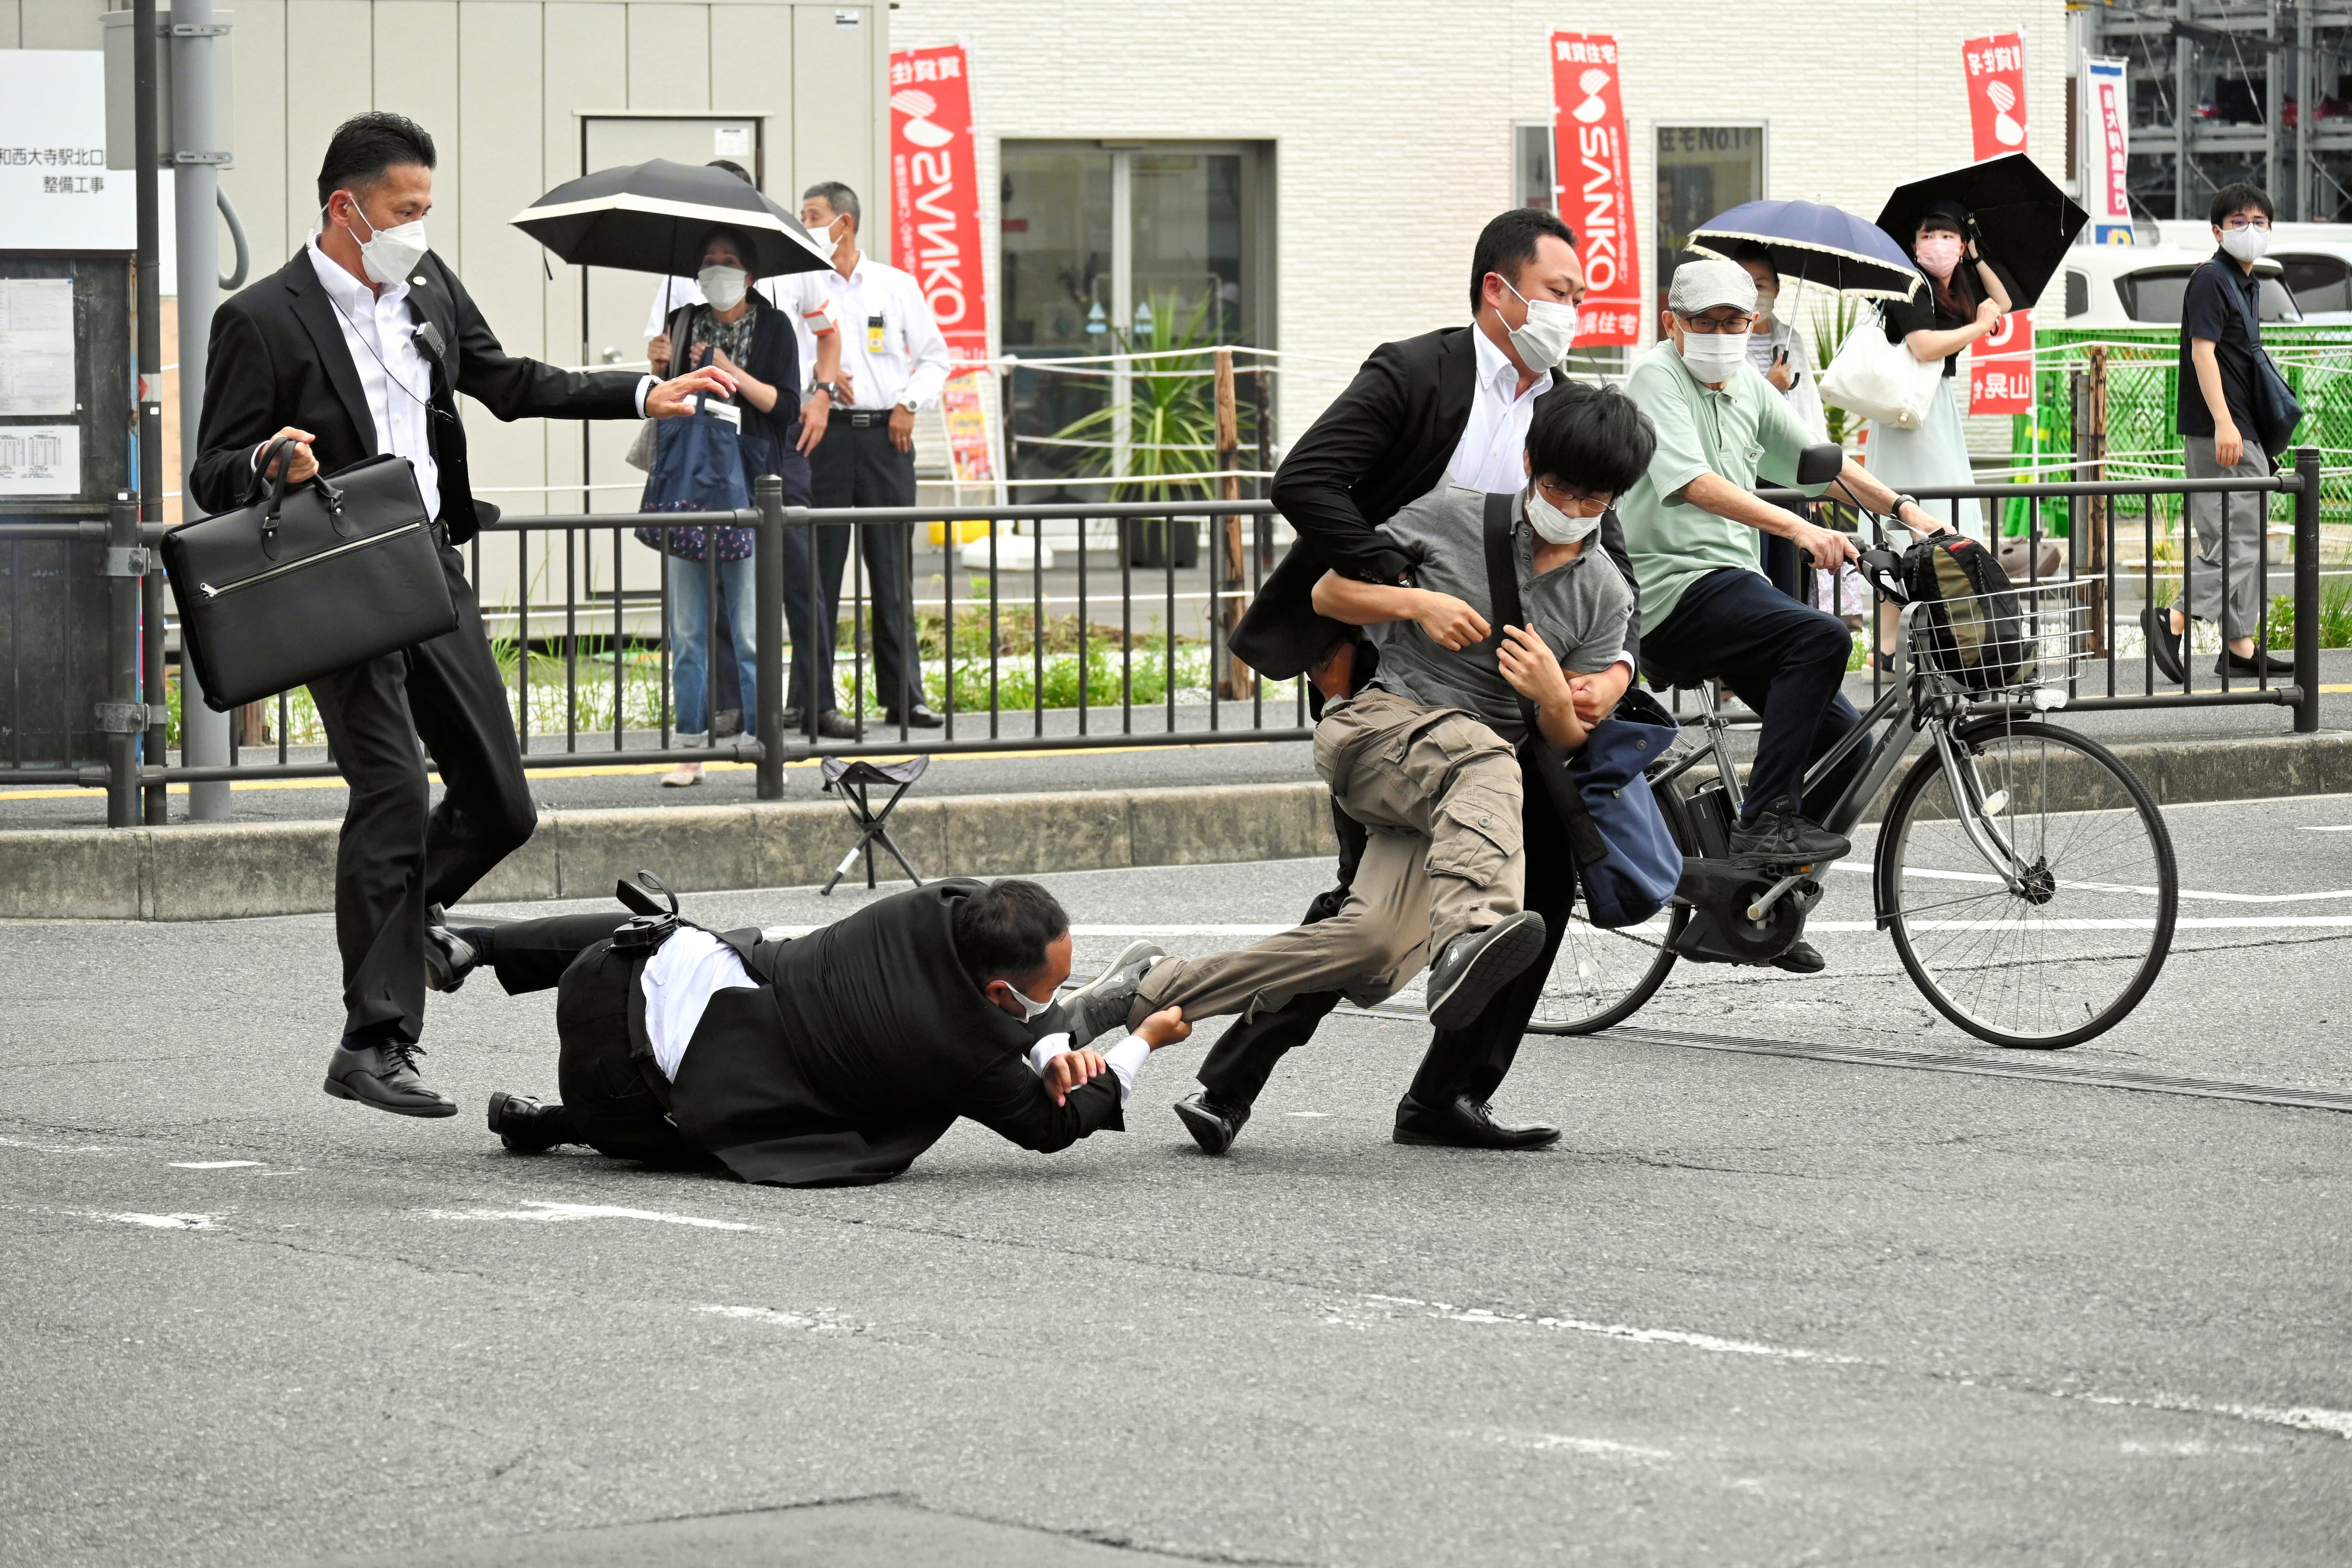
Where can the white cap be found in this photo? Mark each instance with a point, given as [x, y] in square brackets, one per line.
[1705, 282]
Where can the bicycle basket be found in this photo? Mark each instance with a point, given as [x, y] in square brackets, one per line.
[2007, 643]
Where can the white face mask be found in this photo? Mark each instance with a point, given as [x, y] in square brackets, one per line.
[1714, 356]
[1030, 1006]
[1549, 334]
[2249, 244]
[823, 233]
[390, 254]
[1554, 526]
[722, 286]
[1765, 300]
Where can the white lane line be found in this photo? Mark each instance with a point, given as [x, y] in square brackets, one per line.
[538, 1209]
[27, 1143]
[215, 1164]
[2330, 827]
[2298, 1417]
[165, 1221]
[823, 1322]
[1657, 929]
[1557, 1443]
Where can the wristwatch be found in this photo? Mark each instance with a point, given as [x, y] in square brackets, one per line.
[910, 404]
[828, 388]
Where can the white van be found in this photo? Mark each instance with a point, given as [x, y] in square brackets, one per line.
[2142, 285]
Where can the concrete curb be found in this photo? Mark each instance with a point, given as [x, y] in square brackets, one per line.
[223, 871]
[229, 870]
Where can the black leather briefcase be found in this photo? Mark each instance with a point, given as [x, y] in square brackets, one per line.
[316, 578]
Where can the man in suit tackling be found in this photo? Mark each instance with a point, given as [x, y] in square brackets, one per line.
[357, 348]
[832, 1060]
[1453, 405]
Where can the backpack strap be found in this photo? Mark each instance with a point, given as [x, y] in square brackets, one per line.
[1502, 596]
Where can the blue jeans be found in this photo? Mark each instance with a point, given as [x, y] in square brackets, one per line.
[689, 636]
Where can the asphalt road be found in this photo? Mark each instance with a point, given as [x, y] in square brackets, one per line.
[1752, 1308]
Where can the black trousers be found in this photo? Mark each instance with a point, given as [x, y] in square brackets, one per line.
[400, 854]
[1472, 1060]
[1785, 660]
[602, 1078]
[855, 466]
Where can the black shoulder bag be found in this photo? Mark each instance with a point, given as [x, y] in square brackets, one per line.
[315, 578]
[1626, 854]
[2275, 412]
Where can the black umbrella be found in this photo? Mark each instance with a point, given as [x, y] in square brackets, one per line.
[653, 217]
[2025, 220]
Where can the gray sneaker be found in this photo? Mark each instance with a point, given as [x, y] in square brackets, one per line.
[1101, 1004]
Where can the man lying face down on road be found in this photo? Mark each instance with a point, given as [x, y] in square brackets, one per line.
[833, 1060]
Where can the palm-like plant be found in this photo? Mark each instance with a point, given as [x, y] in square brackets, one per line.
[1170, 414]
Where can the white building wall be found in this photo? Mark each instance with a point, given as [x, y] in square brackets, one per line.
[1392, 119]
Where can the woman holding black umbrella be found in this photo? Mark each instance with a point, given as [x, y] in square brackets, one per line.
[1967, 295]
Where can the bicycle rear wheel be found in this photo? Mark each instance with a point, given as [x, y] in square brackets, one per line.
[2067, 952]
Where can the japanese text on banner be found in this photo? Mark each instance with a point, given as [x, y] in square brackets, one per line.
[1595, 183]
[2000, 367]
[935, 209]
[1994, 66]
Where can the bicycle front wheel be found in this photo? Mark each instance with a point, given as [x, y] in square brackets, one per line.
[2054, 940]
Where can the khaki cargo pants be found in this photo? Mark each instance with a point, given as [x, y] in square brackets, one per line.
[1440, 792]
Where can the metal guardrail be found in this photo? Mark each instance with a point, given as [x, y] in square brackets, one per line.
[1017, 660]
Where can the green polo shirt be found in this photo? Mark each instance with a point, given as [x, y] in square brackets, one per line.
[1743, 434]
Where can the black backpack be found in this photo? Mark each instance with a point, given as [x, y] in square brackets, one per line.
[1969, 615]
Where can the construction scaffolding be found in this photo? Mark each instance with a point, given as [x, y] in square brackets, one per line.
[2233, 90]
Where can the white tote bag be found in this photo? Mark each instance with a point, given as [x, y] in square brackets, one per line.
[1881, 381]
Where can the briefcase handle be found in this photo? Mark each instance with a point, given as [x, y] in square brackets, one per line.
[283, 446]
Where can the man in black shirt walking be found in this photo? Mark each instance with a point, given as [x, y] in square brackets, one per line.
[2220, 332]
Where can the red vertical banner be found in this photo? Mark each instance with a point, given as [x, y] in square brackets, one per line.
[1595, 182]
[2000, 367]
[935, 211]
[1995, 68]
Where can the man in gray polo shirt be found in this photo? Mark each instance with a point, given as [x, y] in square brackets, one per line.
[1425, 754]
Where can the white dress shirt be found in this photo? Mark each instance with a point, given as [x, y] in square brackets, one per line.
[679, 980]
[381, 332]
[1125, 1059]
[802, 296]
[1492, 453]
[890, 345]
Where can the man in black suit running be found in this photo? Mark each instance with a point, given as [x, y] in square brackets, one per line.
[1449, 404]
[357, 348]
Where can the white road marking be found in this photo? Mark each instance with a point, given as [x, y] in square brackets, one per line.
[165, 1221]
[51, 1148]
[1554, 1443]
[2298, 1417]
[1314, 1113]
[539, 1209]
[214, 1164]
[822, 1324]
[2330, 827]
[2186, 894]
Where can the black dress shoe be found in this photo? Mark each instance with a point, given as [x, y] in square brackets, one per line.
[1779, 836]
[1465, 1125]
[1477, 963]
[1213, 1124]
[527, 1127]
[2231, 664]
[836, 725]
[1801, 958]
[2164, 643]
[792, 719]
[448, 957]
[385, 1076]
[918, 717]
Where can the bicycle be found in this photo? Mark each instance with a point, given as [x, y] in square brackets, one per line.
[2015, 865]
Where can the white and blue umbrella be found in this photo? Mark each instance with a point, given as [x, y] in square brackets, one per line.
[1820, 244]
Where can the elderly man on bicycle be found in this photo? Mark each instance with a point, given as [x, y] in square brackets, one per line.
[1690, 526]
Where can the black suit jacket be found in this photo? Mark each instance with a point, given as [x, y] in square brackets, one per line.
[860, 1046]
[278, 358]
[1383, 442]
